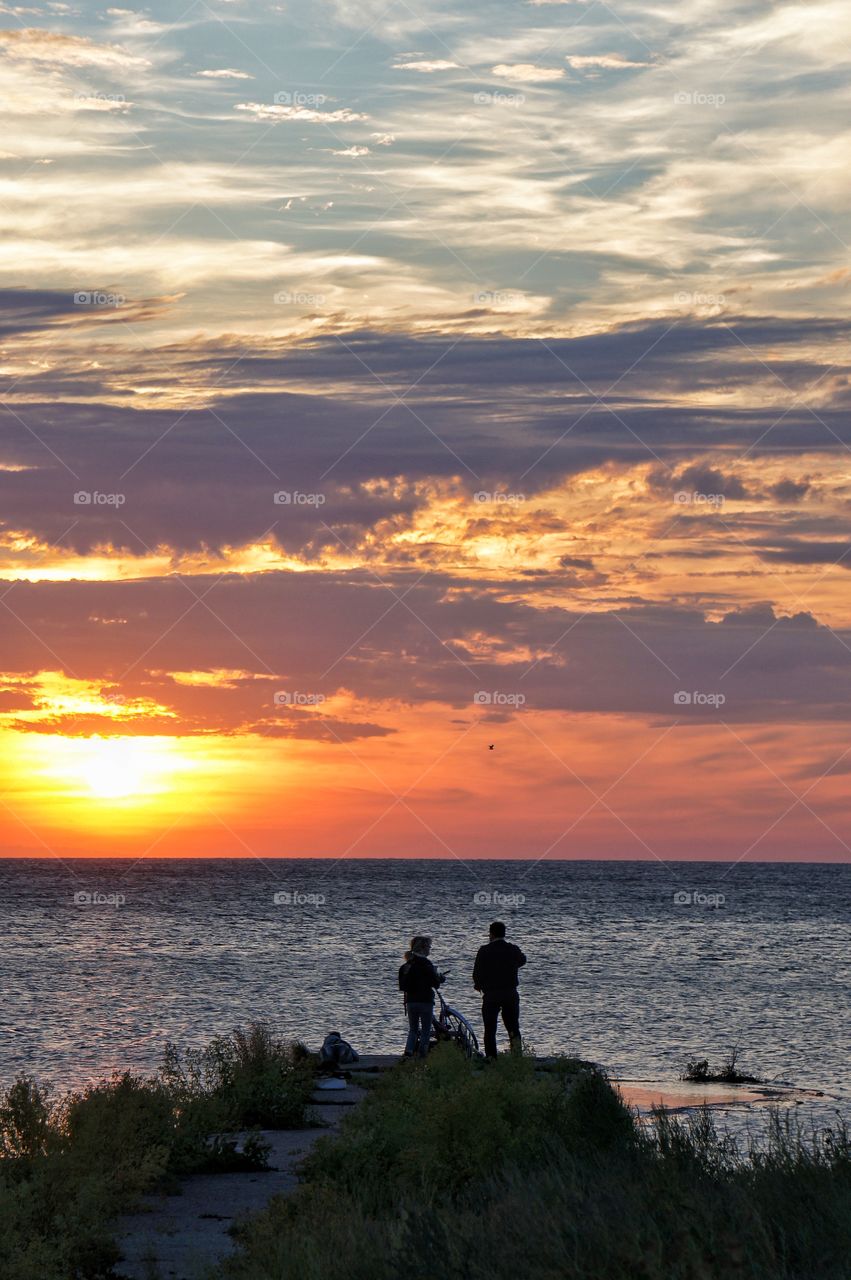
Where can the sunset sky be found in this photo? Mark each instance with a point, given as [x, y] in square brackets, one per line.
[384, 381]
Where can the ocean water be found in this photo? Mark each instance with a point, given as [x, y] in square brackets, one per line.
[104, 961]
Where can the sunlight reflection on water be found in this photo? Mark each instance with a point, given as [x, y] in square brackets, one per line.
[618, 971]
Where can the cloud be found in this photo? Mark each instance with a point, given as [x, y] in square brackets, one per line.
[426, 65]
[224, 73]
[527, 73]
[367, 655]
[492, 305]
[790, 490]
[102, 102]
[278, 111]
[32, 44]
[792, 551]
[702, 480]
[607, 61]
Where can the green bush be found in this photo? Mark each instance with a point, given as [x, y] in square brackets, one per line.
[246, 1079]
[26, 1121]
[69, 1166]
[124, 1128]
[489, 1174]
[438, 1127]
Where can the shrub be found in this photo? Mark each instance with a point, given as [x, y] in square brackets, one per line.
[26, 1120]
[67, 1167]
[436, 1128]
[248, 1078]
[489, 1174]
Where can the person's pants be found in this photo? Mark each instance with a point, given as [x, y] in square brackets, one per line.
[506, 1002]
[419, 1027]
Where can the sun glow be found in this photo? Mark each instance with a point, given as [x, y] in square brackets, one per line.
[119, 769]
[123, 767]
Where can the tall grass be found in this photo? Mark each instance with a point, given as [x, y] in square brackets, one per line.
[69, 1165]
[246, 1078]
[484, 1174]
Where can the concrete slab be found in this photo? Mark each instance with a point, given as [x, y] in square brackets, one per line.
[179, 1237]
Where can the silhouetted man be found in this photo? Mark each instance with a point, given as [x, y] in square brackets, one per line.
[495, 975]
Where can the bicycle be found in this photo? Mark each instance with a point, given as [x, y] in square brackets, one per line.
[448, 1023]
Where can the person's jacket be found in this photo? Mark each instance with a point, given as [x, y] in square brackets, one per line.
[418, 978]
[496, 965]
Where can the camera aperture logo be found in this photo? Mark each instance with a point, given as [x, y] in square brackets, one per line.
[295, 898]
[687, 898]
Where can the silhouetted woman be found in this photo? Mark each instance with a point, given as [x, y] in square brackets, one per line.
[419, 979]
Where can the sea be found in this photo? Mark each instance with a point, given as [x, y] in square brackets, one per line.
[638, 966]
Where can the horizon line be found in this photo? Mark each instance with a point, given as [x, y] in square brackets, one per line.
[393, 857]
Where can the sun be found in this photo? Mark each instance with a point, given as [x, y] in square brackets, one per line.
[122, 770]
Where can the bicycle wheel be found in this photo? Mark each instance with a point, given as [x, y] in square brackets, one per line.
[455, 1026]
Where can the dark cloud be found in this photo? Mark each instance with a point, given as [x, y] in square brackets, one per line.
[575, 562]
[204, 479]
[28, 311]
[790, 490]
[709, 480]
[357, 461]
[319, 728]
[417, 643]
[790, 551]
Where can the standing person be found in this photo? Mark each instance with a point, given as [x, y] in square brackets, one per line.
[495, 975]
[419, 979]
